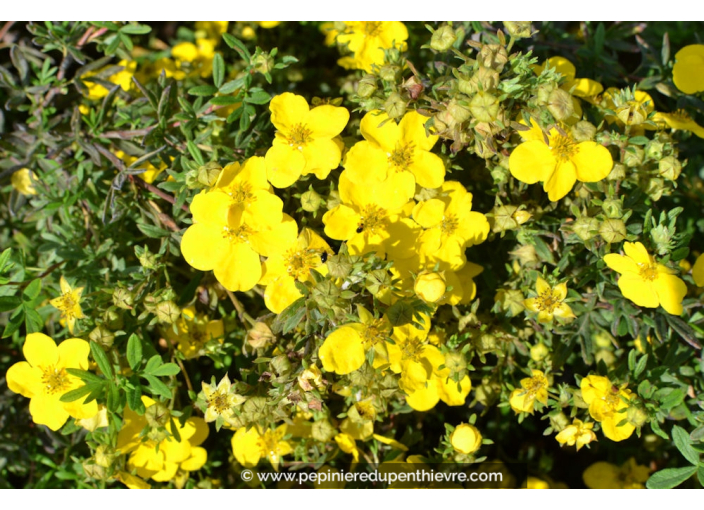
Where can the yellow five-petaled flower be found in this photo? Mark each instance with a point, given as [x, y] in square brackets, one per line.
[549, 302]
[69, 303]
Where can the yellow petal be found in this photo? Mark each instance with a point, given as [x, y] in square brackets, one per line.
[425, 398]
[73, 353]
[561, 181]
[245, 446]
[281, 293]
[321, 157]
[240, 268]
[327, 121]
[275, 240]
[428, 169]
[412, 127]
[342, 351]
[24, 379]
[40, 350]
[614, 432]
[341, 222]
[288, 110]
[284, 165]
[366, 162]
[385, 136]
[532, 161]
[671, 291]
[698, 271]
[47, 410]
[688, 71]
[639, 291]
[197, 460]
[204, 246]
[429, 213]
[584, 87]
[264, 210]
[448, 392]
[620, 264]
[592, 162]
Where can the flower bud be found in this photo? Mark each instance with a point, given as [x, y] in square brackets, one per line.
[613, 230]
[466, 439]
[366, 86]
[670, 168]
[654, 149]
[559, 421]
[157, 415]
[322, 431]
[389, 73]
[430, 287]
[260, 336]
[487, 392]
[539, 352]
[395, 106]
[618, 172]
[311, 201]
[456, 363]
[102, 336]
[112, 318]
[123, 298]
[612, 207]
[655, 188]
[636, 416]
[560, 104]
[167, 312]
[443, 38]
[263, 63]
[414, 87]
[493, 56]
[254, 409]
[485, 107]
[518, 29]
[583, 131]
[633, 156]
[326, 293]
[585, 227]
[208, 174]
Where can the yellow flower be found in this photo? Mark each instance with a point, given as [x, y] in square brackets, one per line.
[680, 120]
[560, 162]
[250, 446]
[233, 225]
[450, 226]
[645, 282]
[69, 303]
[632, 108]
[21, 180]
[536, 483]
[305, 139]
[131, 481]
[158, 458]
[534, 388]
[373, 218]
[123, 77]
[603, 475]
[210, 29]
[293, 263]
[580, 87]
[43, 379]
[347, 444]
[391, 147]
[549, 301]
[430, 287]
[698, 271]
[368, 40]
[150, 171]
[391, 442]
[96, 422]
[578, 433]
[194, 332]
[688, 71]
[466, 438]
[221, 400]
[607, 405]
[196, 59]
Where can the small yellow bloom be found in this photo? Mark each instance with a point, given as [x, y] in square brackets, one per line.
[534, 388]
[347, 444]
[608, 405]
[43, 379]
[679, 120]
[560, 162]
[603, 475]
[250, 446]
[122, 77]
[645, 282]
[69, 303]
[343, 351]
[194, 332]
[221, 400]
[430, 287]
[305, 139]
[466, 438]
[698, 271]
[549, 302]
[578, 433]
[21, 180]
[688, 71]
[96, 422]
[391, 442]
[368, 40]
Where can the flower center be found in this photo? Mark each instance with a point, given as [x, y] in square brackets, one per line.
[268, 444]
[372, 218]
[375, 332]
[237, 235]
[401, 157]
[613, 398]
[372, 28]
[648, 272]
[299, 136]
[449, 224]
[55, 380]
[412, 350]
[67, 304]
[299, 262]
[241, 193]
[547, 301]
[534, 385]
[219, 402]
[564, 147]
[681, 115]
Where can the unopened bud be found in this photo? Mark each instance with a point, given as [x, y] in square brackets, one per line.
[539, 352]
[585, 227]
[263, 63]
[612, 207]
[636, 416]
[326, 294]
[430, 287]
[167, 312]
[618, 172]
[613, 230]
[208, 174]
[654, 150]
[322, 431]
[395, 106]
[443, 38]
[281, 365]
[311, 201]
[123, 298]
[560, 104]
[366, 86]
[485, 107]
[102, 336]
[670, 168]
[157, 415]
[633, 156]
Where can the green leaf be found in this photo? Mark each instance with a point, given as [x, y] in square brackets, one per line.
[85, 375]
[640, 366]
[134, 396]
[673, 399]
[165, 369]
[700, 474]
[400, 313]
[101, 359]
[238, 46]
[113, 398]
[152, 363]
[258, 97]
[8, 303]
[32, 321]
[195, 153]
[136, 29]
[669, 478]
[134, 351]
[218, 70]
[14, 323]
[224, 100]
[684, 444]
[202, 90]
[157, 387]
[32, 290]
[5, 255]
[76, 394]
[152, 231]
